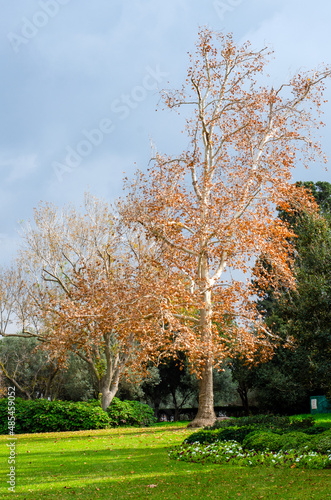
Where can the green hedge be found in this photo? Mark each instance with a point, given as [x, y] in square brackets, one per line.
[321, 443]
[263, 432]
[253, 438]
[235, 433]
[273, 422]
[262, 441]
[130, 413]
[41, 415]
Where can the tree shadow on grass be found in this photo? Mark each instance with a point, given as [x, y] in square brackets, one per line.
[94, 433]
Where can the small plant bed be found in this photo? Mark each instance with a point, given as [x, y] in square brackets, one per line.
[260, 440]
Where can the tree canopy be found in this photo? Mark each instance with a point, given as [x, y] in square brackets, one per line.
[212, 207]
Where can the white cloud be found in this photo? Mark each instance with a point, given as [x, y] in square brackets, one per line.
[17, 168]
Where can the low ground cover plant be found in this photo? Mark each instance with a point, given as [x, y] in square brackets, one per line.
[260, 440]
[232, 453]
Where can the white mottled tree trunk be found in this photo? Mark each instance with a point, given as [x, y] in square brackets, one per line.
[206, 414]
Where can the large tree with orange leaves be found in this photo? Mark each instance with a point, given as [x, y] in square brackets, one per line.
[213, 206]
[85, 289]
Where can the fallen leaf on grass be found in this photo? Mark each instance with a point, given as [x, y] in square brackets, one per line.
[151, 485]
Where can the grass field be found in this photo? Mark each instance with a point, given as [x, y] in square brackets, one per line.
[133, 463]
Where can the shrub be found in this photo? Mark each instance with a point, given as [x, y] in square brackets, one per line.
[273, 422]
[303, 424]
[316, 429]
[41, 415]
[130, 413]
[261, 441]
[294, 441]
[267, 432]
[143, 414]
[236, 433]
[203, 437]
[321, 443]
[233, 433]
[265, 421]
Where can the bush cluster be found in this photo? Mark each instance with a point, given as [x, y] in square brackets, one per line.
[238, 428]
[234, 432]
[263, 441]
[260, 440]
[272, 422]
[130, 413]
[41, 415]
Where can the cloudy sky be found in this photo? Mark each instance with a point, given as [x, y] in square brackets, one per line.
[80, 81]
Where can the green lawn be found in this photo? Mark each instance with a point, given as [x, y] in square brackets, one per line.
[133, 463]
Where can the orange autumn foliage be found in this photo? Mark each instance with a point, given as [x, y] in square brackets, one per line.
[212, 208]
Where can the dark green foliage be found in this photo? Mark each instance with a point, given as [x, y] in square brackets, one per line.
[321, 443]
[317, 429]
[284, 384]
[299, 441]
[41, 415]
[261, 441]
[26, 364]
[235, 433]
[172, 385]
[279, 384]
[203, 436]
[266, 421]
[293, 440]
[303, 424]
[77, 382]
[268, 431]
[130, 413]
[321, 191]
